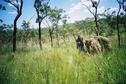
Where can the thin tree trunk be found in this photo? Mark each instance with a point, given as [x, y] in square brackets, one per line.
[57, 36]
[118, 31]
[64, 39]
[40, 44]
[51, 38]
[19, 11]
[95, 15]
[97, 29]
[96, 23]
[14, 36]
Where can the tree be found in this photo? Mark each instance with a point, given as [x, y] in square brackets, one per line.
[64, 20]
[124, 5]
[26, 30]
[110, 19]
[121, 5]
[52, 21]
[63, 32]
[49, 24]
[18, 4]
[5, 36]
[94, 4]
[50, 30]
[55, 16]
[41, 7]
[123, 20]
[25, 25]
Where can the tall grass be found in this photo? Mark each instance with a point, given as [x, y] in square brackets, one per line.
[63, 65]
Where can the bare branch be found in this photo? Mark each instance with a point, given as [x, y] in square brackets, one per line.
[16, 5]
[88, 9]
[12, 3]
[47, 24]
[119, 1]
[31, 17]
[98, 2]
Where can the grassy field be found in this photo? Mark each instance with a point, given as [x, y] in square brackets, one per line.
[63, 65]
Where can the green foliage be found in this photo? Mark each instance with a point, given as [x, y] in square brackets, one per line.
[41, 7]
[25, 25]
[55, 15]
[26, 31]
[5, 36]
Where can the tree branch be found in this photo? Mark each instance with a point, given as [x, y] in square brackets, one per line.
[47, 23]
[49, 26]
[21, 6]
[12, 3]
[98, 2]
[88, 9]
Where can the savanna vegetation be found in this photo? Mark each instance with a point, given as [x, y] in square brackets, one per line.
[49, 55]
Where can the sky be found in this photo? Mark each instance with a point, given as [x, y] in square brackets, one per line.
[73, 8]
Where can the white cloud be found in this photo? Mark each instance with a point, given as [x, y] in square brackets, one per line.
[75, 8]
[12, 12]
[79, 12]
[101, 10]
[87, 3]
[76, 12]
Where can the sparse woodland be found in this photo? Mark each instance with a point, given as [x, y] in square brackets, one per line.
[49, 55]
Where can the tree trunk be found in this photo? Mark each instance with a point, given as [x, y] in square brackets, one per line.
[57, 36]
[15, 31]
[14, 35]
[19, 11]
[96, 22]
[51, 38]
[64, 39]
[40, 44]
[118, 31]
